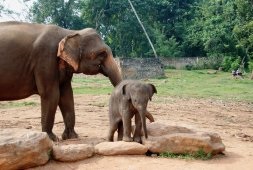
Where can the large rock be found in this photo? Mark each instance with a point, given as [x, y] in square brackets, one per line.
[174, 139]
[22, 148]
[72, 152]
[120, 148]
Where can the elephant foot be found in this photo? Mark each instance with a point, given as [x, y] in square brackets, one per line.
[53, 137]
[138, 139]
[110, 138]
[127, 139]
[119, 138]
[69, 134]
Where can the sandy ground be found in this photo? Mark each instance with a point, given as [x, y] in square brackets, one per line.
[232, 121]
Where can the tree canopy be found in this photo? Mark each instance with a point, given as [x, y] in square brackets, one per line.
[178, 28]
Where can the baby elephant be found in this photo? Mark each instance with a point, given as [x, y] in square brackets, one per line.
[128, 99]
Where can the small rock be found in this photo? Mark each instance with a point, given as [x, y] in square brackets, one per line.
[72, 152]
[22, 148]
[120, 148]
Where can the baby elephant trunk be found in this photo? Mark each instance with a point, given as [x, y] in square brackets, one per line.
[143, 121]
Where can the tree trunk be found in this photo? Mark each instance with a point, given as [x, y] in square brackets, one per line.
[251, 75]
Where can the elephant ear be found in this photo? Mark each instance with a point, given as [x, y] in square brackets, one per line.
[69, 50]
[152, 90]
[125, 93]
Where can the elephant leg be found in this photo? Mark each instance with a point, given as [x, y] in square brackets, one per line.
[49, 102]
[113, 128]
[126, 118]
[137, 131]
[120, 131]
[66, 104]
[48, 89]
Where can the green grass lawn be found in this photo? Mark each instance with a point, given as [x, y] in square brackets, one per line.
[181, 83]
[202, 84]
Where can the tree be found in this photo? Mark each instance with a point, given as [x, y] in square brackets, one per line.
[3, 10]
[243, 31]
[65, 13]
[117, 23]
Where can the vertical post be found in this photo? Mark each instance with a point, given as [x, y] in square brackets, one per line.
[151, 44]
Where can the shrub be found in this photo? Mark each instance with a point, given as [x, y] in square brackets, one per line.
[250, 65]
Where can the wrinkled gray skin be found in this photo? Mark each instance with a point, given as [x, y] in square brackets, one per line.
[41, 59]
[130, 98]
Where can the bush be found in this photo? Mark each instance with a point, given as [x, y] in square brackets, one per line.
[226, 63]
[205, 63]
[250, 65]
[189, 67]
[235, 64]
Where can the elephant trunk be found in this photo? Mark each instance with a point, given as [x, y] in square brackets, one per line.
[111, 69]
[143, 121]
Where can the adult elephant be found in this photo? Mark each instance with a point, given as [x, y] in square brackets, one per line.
[41, 59]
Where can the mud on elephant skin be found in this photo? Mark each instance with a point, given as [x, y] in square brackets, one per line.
[130, 98]
[41, 59]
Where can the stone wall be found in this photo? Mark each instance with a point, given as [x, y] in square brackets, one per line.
[180, 63]
[140, 68]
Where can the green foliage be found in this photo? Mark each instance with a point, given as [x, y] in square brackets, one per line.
[167, 47]
[220, 29]
[235, 64]
[227, 62]
[212, 62]
[231, 63]
[251, 65]
[117, 22]
[60, 12]
[200, 154]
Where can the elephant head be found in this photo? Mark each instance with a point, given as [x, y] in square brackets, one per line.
[139, 94]
[87, 53]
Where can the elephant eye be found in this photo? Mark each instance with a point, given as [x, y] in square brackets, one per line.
[102, 54]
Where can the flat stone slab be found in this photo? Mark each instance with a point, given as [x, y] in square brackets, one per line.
[120, 148]
[72, 152]
[22, 148]
[174, 139]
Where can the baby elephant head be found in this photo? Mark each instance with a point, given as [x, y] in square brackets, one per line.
[139, 94]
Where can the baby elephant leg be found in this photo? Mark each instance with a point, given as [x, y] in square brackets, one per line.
[120, 131]
[126, 118]
[113, 128]
[137, 130]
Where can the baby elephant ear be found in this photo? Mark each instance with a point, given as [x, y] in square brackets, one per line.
[125, 93]
[152, 90]
[69, 50]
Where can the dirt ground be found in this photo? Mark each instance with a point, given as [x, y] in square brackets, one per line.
[232, 121]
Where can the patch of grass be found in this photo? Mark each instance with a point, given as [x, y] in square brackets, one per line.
[13, 104]
[200, 155]
[180, 83]
[91, 85]
[201, 84]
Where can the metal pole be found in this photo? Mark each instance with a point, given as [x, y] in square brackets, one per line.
[151, 44]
